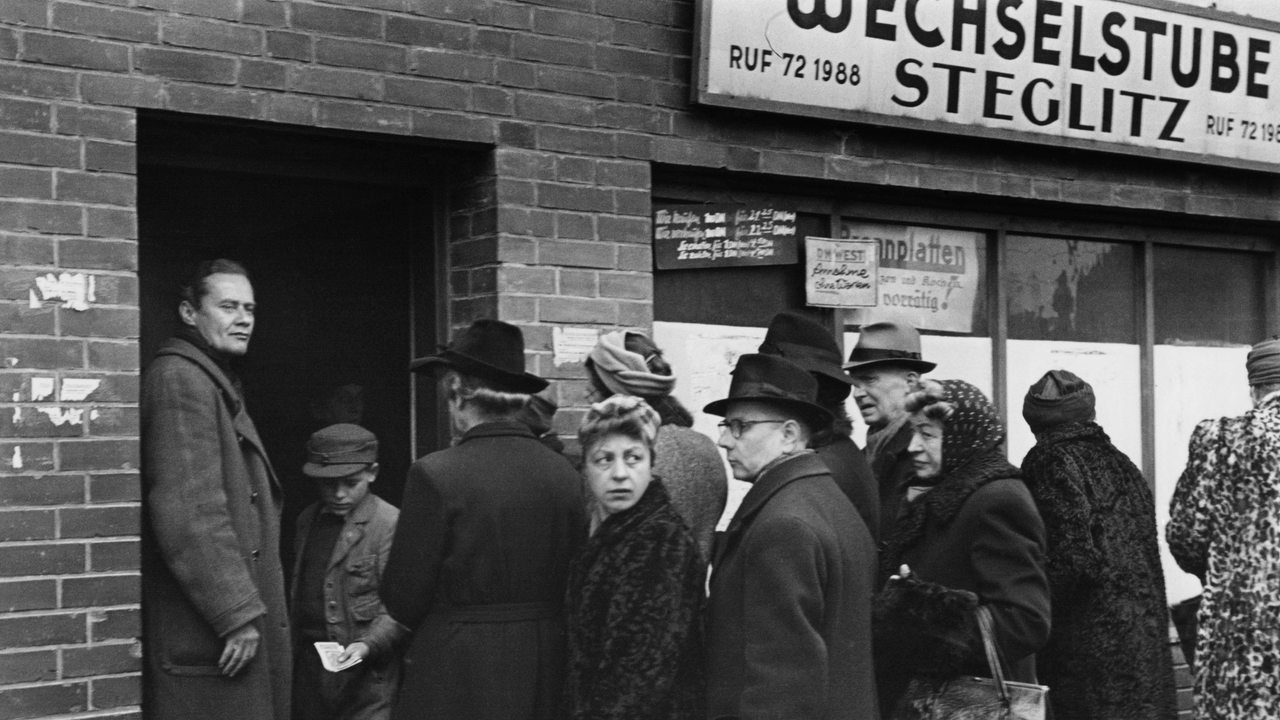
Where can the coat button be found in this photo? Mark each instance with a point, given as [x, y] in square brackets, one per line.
[254, 554]
[253, 496]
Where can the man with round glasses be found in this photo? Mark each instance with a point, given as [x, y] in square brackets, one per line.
[789, 618]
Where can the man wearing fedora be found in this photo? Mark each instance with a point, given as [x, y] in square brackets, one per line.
[811, 346]
[340, 549]
[885, 366]
[481, 555]
[789, 617]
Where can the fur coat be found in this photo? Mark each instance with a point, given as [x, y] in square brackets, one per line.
[634, 599]
[1108, 655]
[1224, 527]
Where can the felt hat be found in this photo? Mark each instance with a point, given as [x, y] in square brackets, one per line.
[888, 343]
[491, 350]
[1058, 397]
[777, 381]
[809, 345]
[339, 451]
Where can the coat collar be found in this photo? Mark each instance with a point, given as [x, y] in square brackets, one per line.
[1083, 430]
[775, 477]
[353, 527]
[178, 347]
[618, 524]
[498, 428]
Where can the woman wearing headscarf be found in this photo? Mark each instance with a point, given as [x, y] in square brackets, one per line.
[969, 534]
[1108, 655]
[635, 591]
[628, 363]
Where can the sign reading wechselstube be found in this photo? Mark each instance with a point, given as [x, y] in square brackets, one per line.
[1141, 77]
[698, 236]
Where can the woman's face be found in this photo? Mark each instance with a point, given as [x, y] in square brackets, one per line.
[618, 470]
[926, 446]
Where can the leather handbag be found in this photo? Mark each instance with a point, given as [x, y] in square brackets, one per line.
[974, 698]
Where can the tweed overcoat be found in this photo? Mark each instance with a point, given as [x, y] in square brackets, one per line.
[1224, 527]
[1108, 653]
[211, 545]
[789, 618]
[852, 474]
[477, 571]
[692, 470]
[634, 606]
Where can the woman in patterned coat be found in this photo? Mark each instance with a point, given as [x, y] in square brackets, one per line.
[1224, 527]
[1108, 654]
[635, 591]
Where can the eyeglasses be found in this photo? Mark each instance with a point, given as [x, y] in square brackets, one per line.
[737, 427]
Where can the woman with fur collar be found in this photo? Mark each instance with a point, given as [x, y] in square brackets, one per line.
[968, 534]
[636, 589]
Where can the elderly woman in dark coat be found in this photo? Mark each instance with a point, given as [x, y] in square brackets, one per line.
[968, 534]
[1108, 656]
[636, 589]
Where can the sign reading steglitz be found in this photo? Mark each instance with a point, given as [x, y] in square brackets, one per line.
[1143, 77]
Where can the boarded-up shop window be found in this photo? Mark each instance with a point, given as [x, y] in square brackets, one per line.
[1072, 305]
[1070, 290]
[1209, 308]
[1208, 297]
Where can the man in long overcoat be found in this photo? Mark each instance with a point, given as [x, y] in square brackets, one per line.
[216, 629]
[885, 366]
[811, 346]
[480, 559]
[1224, 528]
[789, 618]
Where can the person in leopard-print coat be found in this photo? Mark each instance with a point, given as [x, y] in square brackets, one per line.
[1224, 527]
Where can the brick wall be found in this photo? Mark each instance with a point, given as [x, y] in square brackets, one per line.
[576, 99]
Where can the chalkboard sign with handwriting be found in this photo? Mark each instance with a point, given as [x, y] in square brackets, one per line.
[702, 236]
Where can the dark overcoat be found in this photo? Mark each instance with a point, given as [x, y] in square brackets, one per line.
[894, 471]
[477, 571]
[789, 618]
[987, 544]
[852, 474]
[1108, 655]
[211, 557]
[634, 617]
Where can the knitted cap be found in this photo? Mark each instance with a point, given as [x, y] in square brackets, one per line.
[1058, 397]
[1263, 362]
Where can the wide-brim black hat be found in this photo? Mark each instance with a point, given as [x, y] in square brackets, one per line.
[888, 343]
[491, 350]
[808, 344]
[777, 381]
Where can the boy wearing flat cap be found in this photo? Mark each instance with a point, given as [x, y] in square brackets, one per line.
[341, 547]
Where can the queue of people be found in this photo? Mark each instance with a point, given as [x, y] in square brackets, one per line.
[847, 583]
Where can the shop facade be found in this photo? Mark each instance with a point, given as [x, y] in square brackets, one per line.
[392, 169]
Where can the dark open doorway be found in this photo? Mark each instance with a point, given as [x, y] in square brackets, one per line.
[338, 231]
